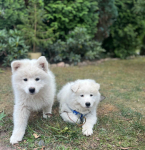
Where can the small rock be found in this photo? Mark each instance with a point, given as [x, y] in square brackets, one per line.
[88, 62]
[99, 61]
[41, 143]
[82, 64]
[61, 64]
[106, 59]
[115, 59]
[92, 62]
[67, 65]
[53, 65]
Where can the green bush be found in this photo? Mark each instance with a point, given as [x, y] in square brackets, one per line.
[79, 45]
[12, 46]
[67, 14]
[126, 32]
[107, 15]
[10, 11]
[140, 10]
[139, 6]
[36, 32]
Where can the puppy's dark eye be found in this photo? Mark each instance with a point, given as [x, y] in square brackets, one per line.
[37, 79]
[91, 95]
[82, 95]
[25, 79]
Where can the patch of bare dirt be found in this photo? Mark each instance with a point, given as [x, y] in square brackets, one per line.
[106, 109]
[6, 148]
[2, 145]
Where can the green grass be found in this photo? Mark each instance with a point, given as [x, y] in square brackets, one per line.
[121, 116]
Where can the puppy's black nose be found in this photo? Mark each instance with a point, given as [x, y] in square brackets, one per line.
[32, 90]
[88, 104]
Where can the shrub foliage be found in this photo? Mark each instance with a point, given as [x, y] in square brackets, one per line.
[12, 46]
[79, 45]
[67, 14]
[126, 32]
[10, 11]
[107, 15]
[70, 29]
[35, 31]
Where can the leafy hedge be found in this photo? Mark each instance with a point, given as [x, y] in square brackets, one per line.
[107, 14]
[78, 46]
[67, 14]
[126, 32]
[10, 11]
[73, 27]
[36, 33]
[12, 46]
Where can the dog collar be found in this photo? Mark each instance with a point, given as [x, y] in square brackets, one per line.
[78, 113]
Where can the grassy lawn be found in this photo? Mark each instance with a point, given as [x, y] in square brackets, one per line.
[121, 116]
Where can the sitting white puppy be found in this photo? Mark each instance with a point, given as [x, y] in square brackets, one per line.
[34, 89]
[79, 100]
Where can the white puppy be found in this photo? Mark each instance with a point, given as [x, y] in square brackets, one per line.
[34, 89]
[79, 100]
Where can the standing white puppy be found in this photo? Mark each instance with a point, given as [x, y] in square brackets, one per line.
[34, 89]
[79, 100]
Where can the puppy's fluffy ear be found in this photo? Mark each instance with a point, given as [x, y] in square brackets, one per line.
[15, 65]
[75, 87]
[97, 86]
[102, 98]
[43, 64]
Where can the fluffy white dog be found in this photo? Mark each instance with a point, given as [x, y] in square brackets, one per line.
[34, 89]
[79, 100]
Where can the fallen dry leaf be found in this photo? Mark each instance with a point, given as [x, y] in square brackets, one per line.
[36, 136]
[43, 148]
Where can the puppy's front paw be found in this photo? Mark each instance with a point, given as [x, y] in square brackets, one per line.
[17, 136]
[15, 139]
[87, 131]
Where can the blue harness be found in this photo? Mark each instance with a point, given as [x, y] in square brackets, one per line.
[78, 113]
